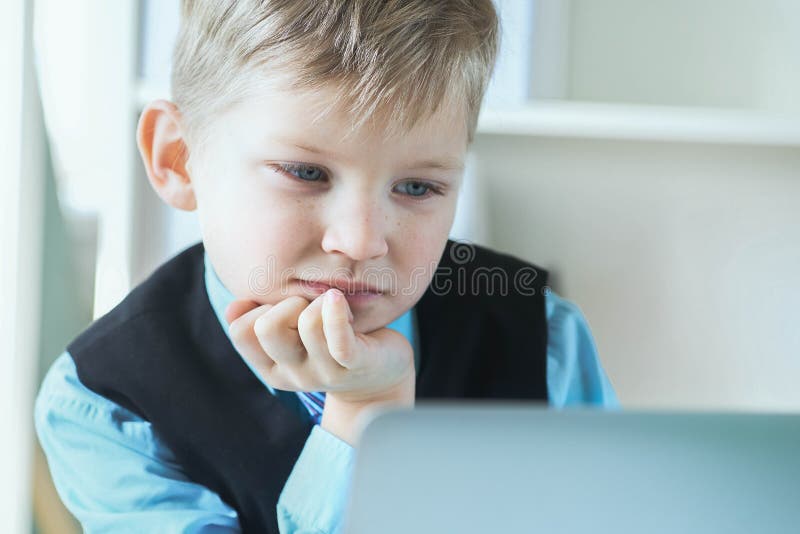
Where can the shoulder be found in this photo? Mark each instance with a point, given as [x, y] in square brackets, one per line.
[66, 412]
[166, 288]
[570, 342]
[575, 373]
[564, 314]
[468, 254]
[119, 354]
[477, 271]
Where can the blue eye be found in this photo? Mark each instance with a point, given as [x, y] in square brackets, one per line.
[419, 189]
[415, 189]
[306, 173]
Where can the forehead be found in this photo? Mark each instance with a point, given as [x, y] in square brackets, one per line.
[279, 115]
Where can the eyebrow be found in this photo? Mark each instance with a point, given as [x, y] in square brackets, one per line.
[445, 165]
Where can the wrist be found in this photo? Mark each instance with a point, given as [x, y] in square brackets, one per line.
[345, 414]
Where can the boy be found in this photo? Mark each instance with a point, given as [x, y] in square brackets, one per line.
[322, 145]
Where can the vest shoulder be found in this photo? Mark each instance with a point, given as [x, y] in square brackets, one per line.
[478, 260]
[163, 292]
[490, 257]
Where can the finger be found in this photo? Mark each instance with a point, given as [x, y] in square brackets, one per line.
[244, 339]
[277, 334]
[237, 308]
[338, 329]
[310, 326]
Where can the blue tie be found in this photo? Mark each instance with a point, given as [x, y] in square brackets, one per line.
[314, 401]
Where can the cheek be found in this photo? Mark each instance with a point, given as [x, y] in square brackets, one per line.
[421, 234]
[416, 253]
[253, 237]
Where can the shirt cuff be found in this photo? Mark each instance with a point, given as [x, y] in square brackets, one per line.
[315, 495]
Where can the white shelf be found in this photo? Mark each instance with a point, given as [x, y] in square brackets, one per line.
[642, 122]
[590, 120]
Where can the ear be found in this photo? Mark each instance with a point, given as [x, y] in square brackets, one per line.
[165, 153]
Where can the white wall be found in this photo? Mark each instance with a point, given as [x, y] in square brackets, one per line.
[684, 257]
[718, 53]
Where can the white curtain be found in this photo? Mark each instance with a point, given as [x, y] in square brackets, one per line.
[21, 147]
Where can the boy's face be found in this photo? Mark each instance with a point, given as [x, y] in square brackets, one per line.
[281, 200]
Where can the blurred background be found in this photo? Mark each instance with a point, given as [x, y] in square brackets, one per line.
[646, 153]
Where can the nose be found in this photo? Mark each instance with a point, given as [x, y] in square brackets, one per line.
[357, 229]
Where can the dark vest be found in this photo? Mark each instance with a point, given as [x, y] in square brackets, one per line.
[163, 354]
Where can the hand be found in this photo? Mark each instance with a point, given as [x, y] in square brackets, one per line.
[300, 346]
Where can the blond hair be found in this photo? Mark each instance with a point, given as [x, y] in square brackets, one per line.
[395, 61]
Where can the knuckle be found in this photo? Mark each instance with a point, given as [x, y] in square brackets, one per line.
[237, 329]
[339, 352]
[264, 326]
[302, 322]
[307, 321]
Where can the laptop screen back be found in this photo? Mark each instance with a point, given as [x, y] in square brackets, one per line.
[488, 468]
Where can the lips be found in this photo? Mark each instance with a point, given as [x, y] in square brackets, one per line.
[345, 286]
[359, 296]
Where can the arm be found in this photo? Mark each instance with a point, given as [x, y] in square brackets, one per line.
[314, 497]
[114, 475]
[575, 375]
[109, 468]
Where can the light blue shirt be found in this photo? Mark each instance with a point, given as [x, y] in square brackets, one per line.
[115, 474]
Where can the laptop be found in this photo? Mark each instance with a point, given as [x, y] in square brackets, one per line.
[518, 468]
